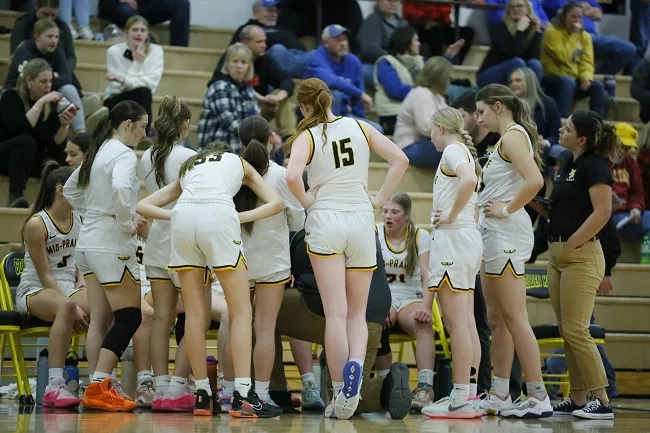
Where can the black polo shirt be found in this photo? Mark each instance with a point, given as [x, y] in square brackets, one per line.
[570, 196]
[379, 297]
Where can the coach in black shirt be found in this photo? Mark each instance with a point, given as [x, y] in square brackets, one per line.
[301, 317]
[581, 205]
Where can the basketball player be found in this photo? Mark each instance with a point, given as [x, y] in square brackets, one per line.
[511, 179]
[48, 286]
[159, 166]
[266, 247]
[405, 249]
[105, 189]
[339, 226]
[205, 231]
[455, 257]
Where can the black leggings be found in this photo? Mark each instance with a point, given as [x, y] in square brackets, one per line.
[17, 160]
[141, 95]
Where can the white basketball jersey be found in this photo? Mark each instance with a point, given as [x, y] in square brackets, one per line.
[60, 246]
[500, 180]
[160, 233]
[338, 164]
[267, 247]
[445, 185]
[395, 260]
[213, 179]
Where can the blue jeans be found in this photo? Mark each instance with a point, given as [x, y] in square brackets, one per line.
[156, 12]
[500, 73]
[423, 154]
[294, 62]
[612, 53]
[80, 11]
[566, 89]
[633, 231]
[369, 75]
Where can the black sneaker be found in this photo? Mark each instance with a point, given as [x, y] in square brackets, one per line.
[252, 407]
[595, 409]
[18, 202]
[202, 403]
[395, 394]
[566, 407]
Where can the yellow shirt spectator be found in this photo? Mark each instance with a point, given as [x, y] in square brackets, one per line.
[570, 54]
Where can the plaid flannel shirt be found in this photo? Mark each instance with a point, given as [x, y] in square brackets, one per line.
[225, 105]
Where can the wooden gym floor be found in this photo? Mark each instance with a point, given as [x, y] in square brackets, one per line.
[631, 416]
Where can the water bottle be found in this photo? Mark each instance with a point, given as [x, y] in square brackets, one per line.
[42, 376]
[99, 37]
[211, 364]
[129, 377]
[443, 378]
[71, 373]
[645, 251]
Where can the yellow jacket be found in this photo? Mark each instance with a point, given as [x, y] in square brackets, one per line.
[570, 54]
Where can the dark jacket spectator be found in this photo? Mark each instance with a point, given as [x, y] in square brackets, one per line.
[496, 16]
[640, 88]
[299, 16]
[28, 51]
[643, 161]
[376, 31]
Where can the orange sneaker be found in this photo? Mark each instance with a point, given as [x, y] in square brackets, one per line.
[102, 396]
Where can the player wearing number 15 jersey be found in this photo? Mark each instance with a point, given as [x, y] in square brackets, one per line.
[339, 226]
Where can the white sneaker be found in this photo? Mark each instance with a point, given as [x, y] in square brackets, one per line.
[478, 404]
[448, 407]
[348, 399]
[330, 411]
[492, 405]
[529, 407]
[145, 393]
[73, 31]
[86, 33]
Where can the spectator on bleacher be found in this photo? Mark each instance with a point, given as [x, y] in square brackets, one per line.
[82, 16]
[45, 10]
[433, 24]
[628, 192]
[31, 130]
[76, 148]
[44, 46]
[612, 53]
[643, 159]
[302, 317]
[374, 37]
[639, 27]
[229, 100]
[524, 84]
[300, 16]
[497, 16]
[341, 70]
[568, 61]
[395, 74]
[640, 87]
[413, 126]
[273, 86]
[134, 67]
[581, 206]
[514, 43]
[177, 12]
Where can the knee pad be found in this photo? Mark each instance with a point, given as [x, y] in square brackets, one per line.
[127, 321]
[180, 327]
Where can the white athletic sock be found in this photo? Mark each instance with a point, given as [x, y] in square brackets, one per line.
[306, 378]
[98, 376]
[228, 387]
[338, 386]
[114, 374]
[426, 376]
[55, 374]
[473, 389]
[383, 373]
[501, 387]
[161, 381]
[143, 376]
[243, 385]
[536, 389]
[461, 392]
[90, 376]
[176, 386]
[262, 389]
[203, 384]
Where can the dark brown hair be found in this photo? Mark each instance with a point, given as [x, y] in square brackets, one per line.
[257, 156]
[600, 137]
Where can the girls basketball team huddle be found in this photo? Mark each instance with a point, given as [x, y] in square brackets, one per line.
[219, 216]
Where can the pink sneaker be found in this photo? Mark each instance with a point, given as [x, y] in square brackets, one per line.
[184, 403]
[158, 398]
[58, 395]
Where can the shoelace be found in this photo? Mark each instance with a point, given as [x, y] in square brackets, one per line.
[565, 403]
[520, 401]
[592, 406]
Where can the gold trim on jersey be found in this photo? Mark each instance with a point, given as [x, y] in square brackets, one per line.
[448, 174]
[364, 131]
[274, 283]
[242, 165]
[240, 260]
[189, 268]
[445, 279]
[312, 146]
[507, 266]
[361, 268]
[47, 234]
[57, 226]
[114, 283]
[323, 255]
[335, 119]
[390, 247]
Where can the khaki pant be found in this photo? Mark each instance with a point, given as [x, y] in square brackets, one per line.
[573, 281]
[297, 321]
[283, 119]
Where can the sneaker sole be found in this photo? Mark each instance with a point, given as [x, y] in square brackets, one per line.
[596, 416]
[313, 406]
[528, 415]
[453, 415]
[89, 404]
[400, 398]
[562, 413]
[202, 412]
[344, 407]
[239, 414]
[351, 380]
[59, 405]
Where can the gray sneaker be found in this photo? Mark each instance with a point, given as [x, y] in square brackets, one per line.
[422, 397]
[145, 393]
[311, 399]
